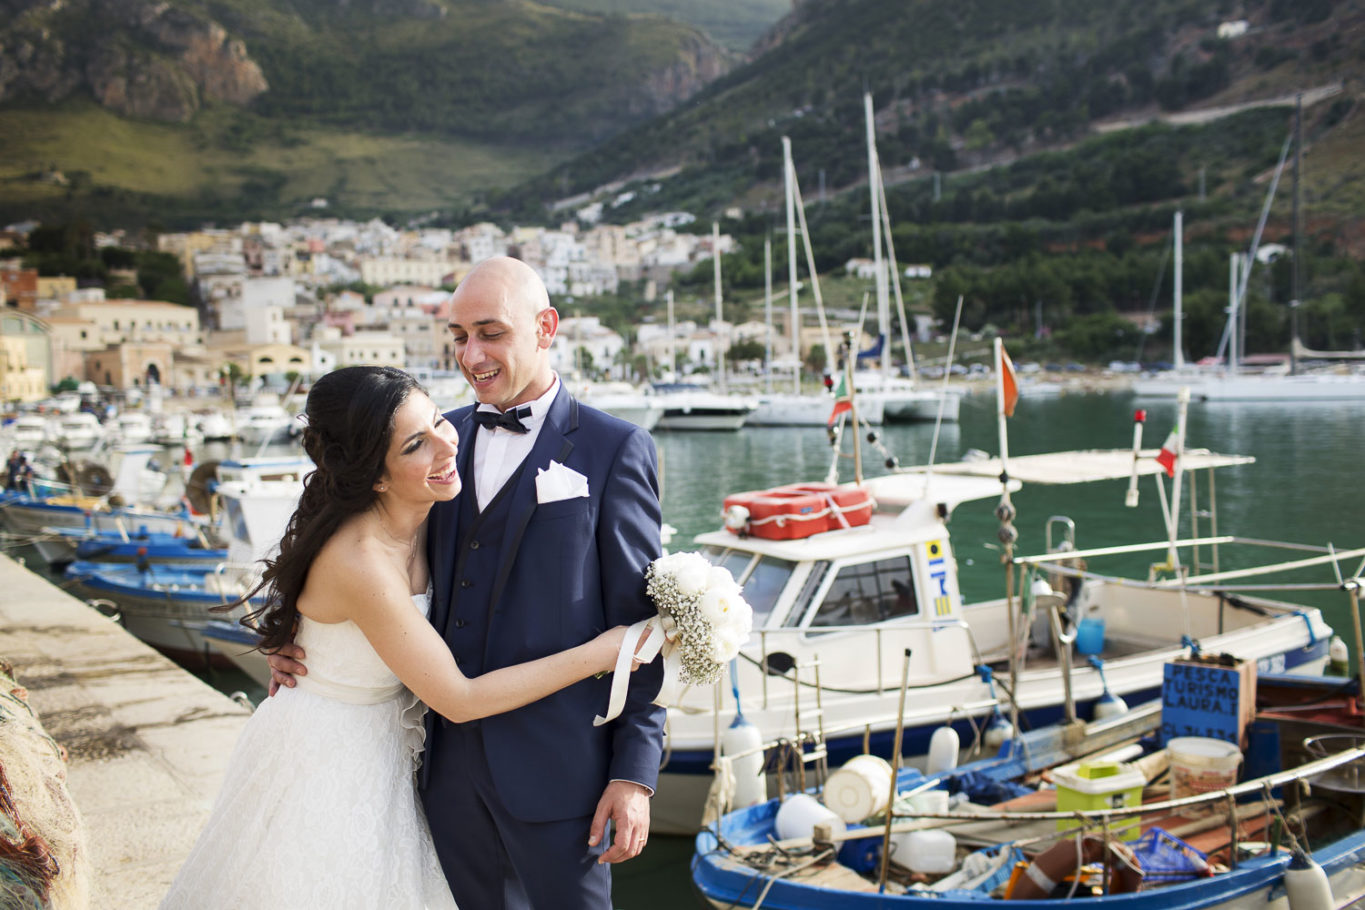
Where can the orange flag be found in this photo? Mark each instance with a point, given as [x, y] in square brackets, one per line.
[1009, 384]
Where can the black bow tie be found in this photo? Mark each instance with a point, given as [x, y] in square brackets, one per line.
[509, 420]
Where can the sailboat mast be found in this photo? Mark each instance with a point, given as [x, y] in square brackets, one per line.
[672, 340]
[883, 299]
[794, 323]
[768, 311]
[1178, 239]
[720, 316]
[1298, 239]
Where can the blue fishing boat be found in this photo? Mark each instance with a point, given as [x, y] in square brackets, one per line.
[1290, 835]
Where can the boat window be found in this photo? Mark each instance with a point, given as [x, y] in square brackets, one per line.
[803, 598]
[867, 593]
[765, 586]
[737, 561]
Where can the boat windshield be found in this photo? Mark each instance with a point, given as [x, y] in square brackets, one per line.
[763, 584]
[868, 592]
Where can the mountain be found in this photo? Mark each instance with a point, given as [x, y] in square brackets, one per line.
[959, 85]
[258, 90]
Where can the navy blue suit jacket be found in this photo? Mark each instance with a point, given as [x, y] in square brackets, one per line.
[568, 570]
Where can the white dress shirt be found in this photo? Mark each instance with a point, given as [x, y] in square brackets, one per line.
[498, 452]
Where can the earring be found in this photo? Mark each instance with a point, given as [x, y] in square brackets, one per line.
[382, 488]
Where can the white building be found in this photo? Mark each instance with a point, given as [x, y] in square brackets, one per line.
[585, 334]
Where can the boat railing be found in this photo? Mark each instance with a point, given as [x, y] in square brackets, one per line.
[898, 627]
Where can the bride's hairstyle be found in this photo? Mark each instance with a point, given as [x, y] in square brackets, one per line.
[349, 418]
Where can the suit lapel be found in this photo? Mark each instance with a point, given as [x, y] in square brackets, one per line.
[552, 444]
[444, 532]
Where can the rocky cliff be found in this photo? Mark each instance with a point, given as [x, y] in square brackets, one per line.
[137, 57]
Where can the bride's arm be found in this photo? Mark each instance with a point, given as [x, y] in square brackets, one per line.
[421, 659]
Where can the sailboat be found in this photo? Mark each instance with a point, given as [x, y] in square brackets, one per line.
[899, 398]
[1231, 382]
[795, 408]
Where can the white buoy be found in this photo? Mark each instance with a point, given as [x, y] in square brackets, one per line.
[1109, 705]
[944, 746]
[1306, 884]
[1338, 658]
[998, 732]
[751, 787]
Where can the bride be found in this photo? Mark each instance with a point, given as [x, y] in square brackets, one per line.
[318, 808]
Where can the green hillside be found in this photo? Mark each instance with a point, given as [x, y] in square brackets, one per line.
[960, 84]
[249, 108]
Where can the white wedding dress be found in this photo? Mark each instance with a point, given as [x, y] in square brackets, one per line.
[318, 810]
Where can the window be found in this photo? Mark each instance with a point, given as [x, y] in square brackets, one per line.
[765, 585]
[867, 593]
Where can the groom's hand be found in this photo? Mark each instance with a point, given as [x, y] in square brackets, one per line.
[626, 804]
[284, 666]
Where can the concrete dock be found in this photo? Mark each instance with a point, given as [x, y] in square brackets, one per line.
[148, 742]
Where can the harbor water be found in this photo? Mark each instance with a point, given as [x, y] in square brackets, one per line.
[1301, 488]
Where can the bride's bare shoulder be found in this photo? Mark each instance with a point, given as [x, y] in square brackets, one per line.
[349, 563]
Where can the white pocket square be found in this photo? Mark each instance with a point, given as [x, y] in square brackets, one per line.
[558, 482]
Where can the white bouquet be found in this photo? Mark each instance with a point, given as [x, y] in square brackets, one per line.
[703, 615]
[702, 623]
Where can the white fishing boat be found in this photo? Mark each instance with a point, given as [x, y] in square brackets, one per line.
[689, 407]
[27, 432]
[623, 400]
[130, 428]
[779, 409]
[214, 426]
[261, 424]
[841, 590]
[81, 430]
[175, 428]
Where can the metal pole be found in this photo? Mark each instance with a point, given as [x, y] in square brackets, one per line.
[895, 769]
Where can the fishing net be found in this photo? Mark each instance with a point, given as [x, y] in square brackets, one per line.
[43, 859]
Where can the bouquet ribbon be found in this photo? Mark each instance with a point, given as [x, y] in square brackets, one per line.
[652, 632]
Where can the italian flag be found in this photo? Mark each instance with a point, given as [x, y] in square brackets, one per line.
[843, 402]
[1169, 450]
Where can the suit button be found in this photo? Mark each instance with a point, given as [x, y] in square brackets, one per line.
[473, 545]
[459, 624]
[466, 583]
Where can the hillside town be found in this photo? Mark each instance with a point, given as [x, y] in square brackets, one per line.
[280, 301]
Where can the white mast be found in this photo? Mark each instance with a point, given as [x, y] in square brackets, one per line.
[768, 311]
[1179, 242]
[720, 316]
[672, 340]
[794, 321]
[883, 301]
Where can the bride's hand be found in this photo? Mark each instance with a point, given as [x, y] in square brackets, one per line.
[611, 642]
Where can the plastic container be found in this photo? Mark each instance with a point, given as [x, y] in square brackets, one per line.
[861, 854]
[859, 789]
[1199, 765]
[798, 816]
[930, 802]
[931, 852]
[1090, 635]
[1101, 785]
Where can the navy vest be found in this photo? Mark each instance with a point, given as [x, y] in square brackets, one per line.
[478, 556]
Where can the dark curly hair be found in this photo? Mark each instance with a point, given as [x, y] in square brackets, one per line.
[349, 415]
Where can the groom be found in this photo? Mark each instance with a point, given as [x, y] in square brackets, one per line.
[525, 564]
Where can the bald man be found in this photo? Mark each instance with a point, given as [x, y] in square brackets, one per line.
[546, 547]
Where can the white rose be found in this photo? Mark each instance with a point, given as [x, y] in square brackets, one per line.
[668, 565]
[725, 645]
[720, 577]
[691, 575]
[718, 604]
